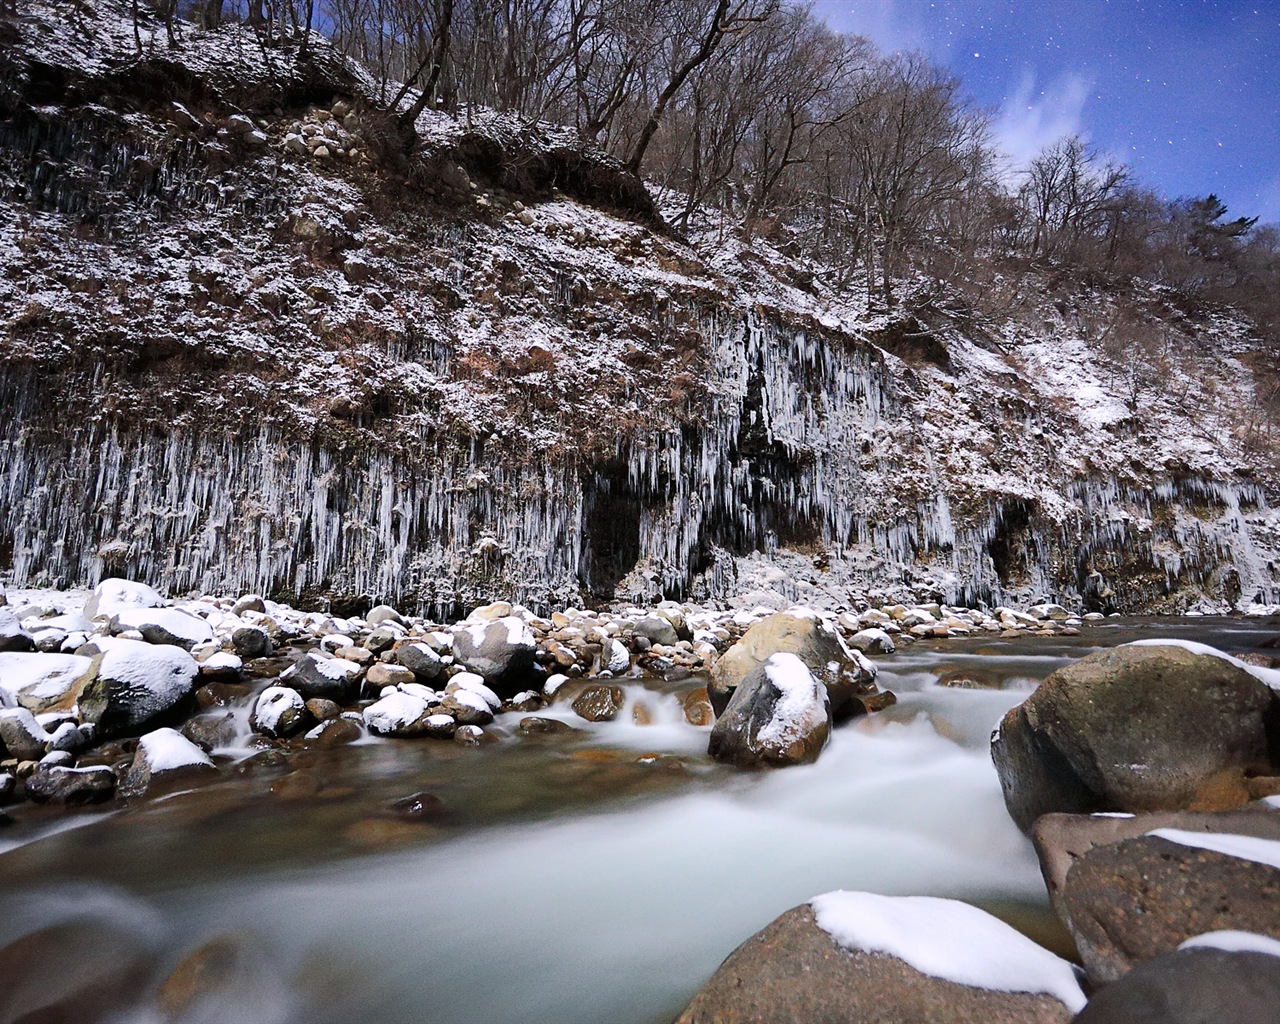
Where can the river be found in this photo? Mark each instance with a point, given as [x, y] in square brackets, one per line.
[594, 877]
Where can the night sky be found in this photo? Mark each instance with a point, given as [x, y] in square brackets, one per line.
[1186, 93]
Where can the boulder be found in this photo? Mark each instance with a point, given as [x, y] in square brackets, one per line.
[1137, 728]
[599, 703]
[211, 730]
[658, 630]
[421, 660]
[501, 651]
[135, 683]
[615, 657]
[71, 787]
[113, 596]
[221, 667]
[872, 640]
[164, 626]
[1062, 839]
[249, 603]
[164, 759]
[314, 675]
[474, 684]
[382, 674]
[856, 957]
[467, 708]
[381, 613]
[1199, 985]
[251, 642]
[802, 633]
[21, 735]
[280, 712]
[779, 715]
[12, 636]
[398, 714]
[42, 682]
[1134, 900]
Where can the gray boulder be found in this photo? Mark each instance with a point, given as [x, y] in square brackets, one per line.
[165, 759]
[421, 660]
[779, 715]
[71, 787]
[314, 675]
[251, 642]
[135, 683]
[12, 636]
[1195, 986]
[280, 712]
[501, 651]
[1137, 728]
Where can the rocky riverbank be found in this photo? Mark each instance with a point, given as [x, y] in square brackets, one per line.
[119, 693]
[1169, 883]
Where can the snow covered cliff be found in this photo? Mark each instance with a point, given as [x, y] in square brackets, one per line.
[240, 352]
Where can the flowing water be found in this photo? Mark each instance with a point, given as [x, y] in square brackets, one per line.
[592, 877]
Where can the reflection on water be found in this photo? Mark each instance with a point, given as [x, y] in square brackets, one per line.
[564, 878]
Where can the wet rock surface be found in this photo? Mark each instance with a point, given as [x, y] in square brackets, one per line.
[1137, 728]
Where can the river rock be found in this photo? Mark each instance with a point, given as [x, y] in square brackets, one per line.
[12, 636]
[113, 596]
[537, 726]
[314, 675]
[381, 613]
[475, 684]
[211, 730]
[42, 682]
[615, 657]
[381, 674]
[280, 712]
[135, 683]
[21, 735]
[164, 759]
[657, 630]
[599, 703]
[249, 603]
[1199, 985]
[1134, 900]
[334, 732]
[779, 715]
[421, 660]
[697, 707]
[76, 970]
[502, 652]
[1062, 839]
[71, 787]
[251, 642]
[164, 626]
[872, 640]
[466, 708]
[1136, 728]
[221, 667]
[802, 633]
[398, 714]
[918, 960]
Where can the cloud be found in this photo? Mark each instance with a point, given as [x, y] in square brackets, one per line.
[1032, 118]
[893, 25]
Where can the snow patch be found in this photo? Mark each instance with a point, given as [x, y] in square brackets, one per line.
[1251, 848]
[167, 750]
[803, 704]
[947, 939]
[1234, 942]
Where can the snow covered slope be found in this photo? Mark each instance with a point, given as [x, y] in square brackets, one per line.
[229, 361]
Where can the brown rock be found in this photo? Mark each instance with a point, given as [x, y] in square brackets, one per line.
[793, 972]
[1134, 900]
[599, 703]
[697, 707]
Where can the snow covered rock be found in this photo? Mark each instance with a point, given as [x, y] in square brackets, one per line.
[1137, 728]
[472, 682]
[1227, 984]
[420, 659]
[381, 674]
[21, 735]
[616, 657]
[221, 666]
[1134, 900]
[164, 626]
[502, 651]
[280, 712]
[12, 636]
[872, 641]
[71, 787]
[804, 634]
[779, 715]
[40, 682]
[1054, 612]
[849, 956]
[398, 714]
[467, 707]
[113, 596]
[135, 682]
[381, 613]
[314, 675]
[164, 758]
[658, 630]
